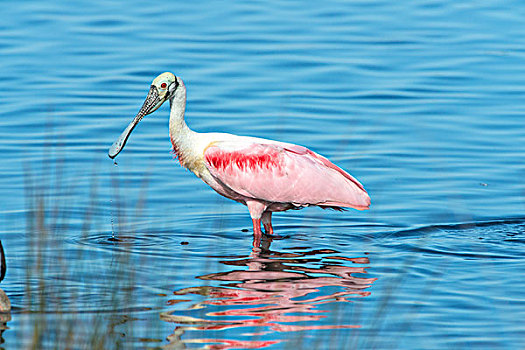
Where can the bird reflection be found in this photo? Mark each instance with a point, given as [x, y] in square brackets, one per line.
[269, 292]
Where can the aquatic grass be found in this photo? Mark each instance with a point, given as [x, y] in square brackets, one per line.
[51, 305]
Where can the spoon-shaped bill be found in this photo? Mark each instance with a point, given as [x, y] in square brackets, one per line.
[118, 145]
[151, 103]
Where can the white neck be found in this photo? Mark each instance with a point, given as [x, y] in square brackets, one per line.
[182, 137]
[178, 126]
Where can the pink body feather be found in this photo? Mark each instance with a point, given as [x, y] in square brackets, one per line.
[277, 176]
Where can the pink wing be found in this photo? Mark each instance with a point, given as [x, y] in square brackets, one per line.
[283, 173]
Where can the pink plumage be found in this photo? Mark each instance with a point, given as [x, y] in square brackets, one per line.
[281, 176]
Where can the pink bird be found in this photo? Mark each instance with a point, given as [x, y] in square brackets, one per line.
[265, 175]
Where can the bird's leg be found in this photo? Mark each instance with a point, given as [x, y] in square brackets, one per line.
[257, 233]
[267, 222]
[256, 209]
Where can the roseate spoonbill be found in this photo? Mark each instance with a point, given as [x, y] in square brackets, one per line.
[265, 175]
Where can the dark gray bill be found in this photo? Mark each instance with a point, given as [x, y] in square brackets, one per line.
[151, 103]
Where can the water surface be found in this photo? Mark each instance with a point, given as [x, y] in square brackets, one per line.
[422, 102]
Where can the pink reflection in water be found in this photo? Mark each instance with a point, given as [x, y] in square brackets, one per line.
[274, 292]
[235, 344]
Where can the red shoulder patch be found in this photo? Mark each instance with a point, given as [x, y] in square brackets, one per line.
[248, 159]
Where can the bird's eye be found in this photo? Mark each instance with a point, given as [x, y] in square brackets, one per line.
[163, 85]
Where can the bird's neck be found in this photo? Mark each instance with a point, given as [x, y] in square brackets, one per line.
[182, 137]
[178, 127]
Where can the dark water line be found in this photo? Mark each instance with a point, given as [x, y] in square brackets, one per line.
[455, 227]
[465, 255]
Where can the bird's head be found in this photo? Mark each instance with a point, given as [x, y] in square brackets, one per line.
[162, 89]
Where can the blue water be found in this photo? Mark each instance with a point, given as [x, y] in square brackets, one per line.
[423, 102]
